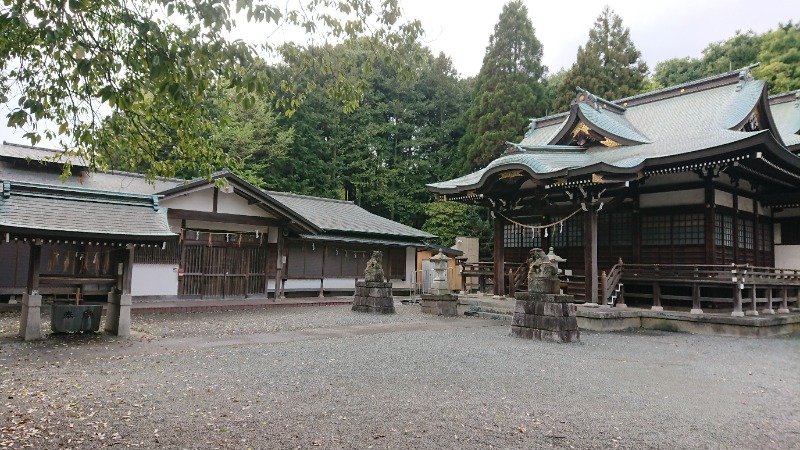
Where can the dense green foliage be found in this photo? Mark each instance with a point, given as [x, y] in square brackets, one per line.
[69, 64]
[450, 219]
[371, 117]
[777, 50]
[509, 89]
[403, 135]
[609, 65]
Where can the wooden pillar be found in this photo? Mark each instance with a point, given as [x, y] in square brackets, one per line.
[710, 218]
[753, 300]
[590, 253]
[768, 294]
[322, 278]
[30, 323]
[636, 226]
[737, 295]
[696, 305]
[279, 254]
[736, 242]
[499, 257]
[784, 309]
[656, 297]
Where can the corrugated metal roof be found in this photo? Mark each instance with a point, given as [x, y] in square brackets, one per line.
[344, 216]
[46, 210]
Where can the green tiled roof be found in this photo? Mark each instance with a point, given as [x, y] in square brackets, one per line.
[38, 210]
[23, 163]
[671, 123]
[361, 240]
[343, 216]
[612, 123]
[786, 115]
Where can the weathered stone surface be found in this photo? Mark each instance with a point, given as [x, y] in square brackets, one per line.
[440, 305]
[373, 297]
[539, 297]
[374, 270]
[541, 312]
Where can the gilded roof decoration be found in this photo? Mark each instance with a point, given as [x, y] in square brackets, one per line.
[662, 125]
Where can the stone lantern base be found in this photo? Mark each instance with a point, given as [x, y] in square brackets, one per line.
[440, 304]
[546, 317]
[373, 297]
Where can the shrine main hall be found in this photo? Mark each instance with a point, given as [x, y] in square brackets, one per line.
[690, 192]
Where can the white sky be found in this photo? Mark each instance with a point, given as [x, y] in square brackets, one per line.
[659, 29]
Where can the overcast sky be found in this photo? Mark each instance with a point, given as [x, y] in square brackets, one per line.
[659, 29]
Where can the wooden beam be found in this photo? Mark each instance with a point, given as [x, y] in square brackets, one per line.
[204, 216]
[34, 263]
[590, 253]
[499, 257]
[710, 217]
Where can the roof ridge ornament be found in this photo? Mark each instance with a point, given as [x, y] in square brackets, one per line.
[745, 75]
[596, 102]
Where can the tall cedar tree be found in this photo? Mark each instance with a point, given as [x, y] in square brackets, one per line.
[508, 89]
[609, 65]
[403, 135]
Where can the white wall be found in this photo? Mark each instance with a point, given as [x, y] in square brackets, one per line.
[672, 178]
[235, 204]
[202, 200]
[154, 279]
[677, 198]
[787, 257]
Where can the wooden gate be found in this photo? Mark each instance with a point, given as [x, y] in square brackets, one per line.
[223, 265]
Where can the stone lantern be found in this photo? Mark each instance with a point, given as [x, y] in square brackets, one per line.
[439, 300]
[439, 286]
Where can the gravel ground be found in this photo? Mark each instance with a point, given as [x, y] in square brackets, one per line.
[326, 377]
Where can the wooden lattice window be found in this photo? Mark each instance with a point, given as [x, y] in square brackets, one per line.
[656, 230]
[723, 230]
[614, 228]
[169, 254]
[745, 234]
[515, 236]
[571, 235]
[688, 229]
[765, 237]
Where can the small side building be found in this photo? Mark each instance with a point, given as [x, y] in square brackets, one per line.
[227, 238]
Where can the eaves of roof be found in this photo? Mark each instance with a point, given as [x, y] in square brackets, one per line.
[270, 204]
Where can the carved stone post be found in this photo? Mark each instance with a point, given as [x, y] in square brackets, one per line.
[374, 294]
[541, 312]
[30, 324]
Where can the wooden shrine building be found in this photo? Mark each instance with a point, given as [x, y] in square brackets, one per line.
[75, 238]
[217, 238]
[702, 174]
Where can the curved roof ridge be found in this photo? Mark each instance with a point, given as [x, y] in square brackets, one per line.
[742, 103]
[614, 126]
[699, 84]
